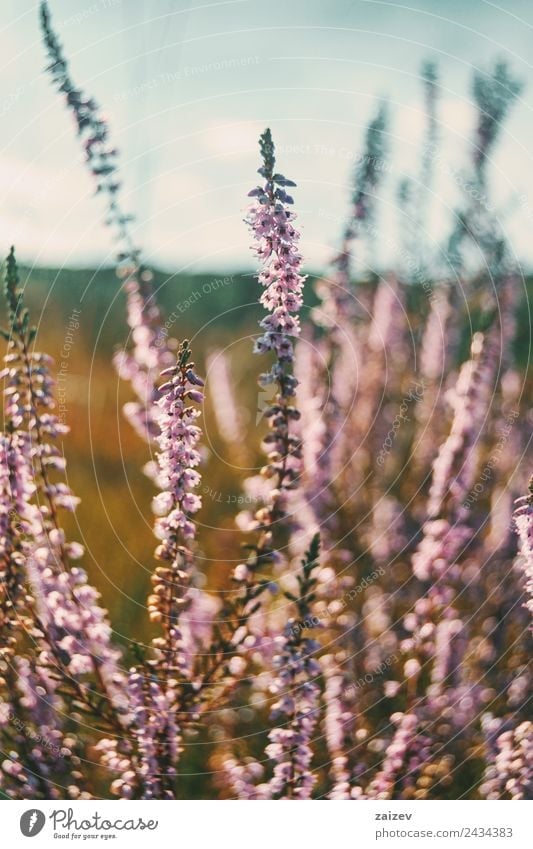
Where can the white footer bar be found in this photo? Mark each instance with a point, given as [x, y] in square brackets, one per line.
[267, 825]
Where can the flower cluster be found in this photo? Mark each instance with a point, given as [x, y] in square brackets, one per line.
[295, 686]
[270, 221]
[177, 502]
[407, 752]
[523, 518]
[494, 93]
[509, 774]
[44, 596]
[333, 377]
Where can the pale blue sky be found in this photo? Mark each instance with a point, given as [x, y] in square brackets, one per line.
[188, 86]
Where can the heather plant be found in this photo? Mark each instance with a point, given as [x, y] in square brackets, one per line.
[524, 525]
[57, 654]
[371, 639]
[475, 222]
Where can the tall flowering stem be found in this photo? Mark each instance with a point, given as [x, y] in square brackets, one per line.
[150, 351]
[422, 198]
[523, 519]
[340, 719]
[407, 752]
[67, 608]
[335, 292]
[177, 502]
[340, 350]
[297, 706]
[508, 774]
[298, 694]
[23, 772]
[270, 219]
[438, 635]
[271, 222]
[446, 530]
[61, 614]
[494, 91]
[155, 688]
[430, 81]
[367, 177]
[193, 653]
[16, 518]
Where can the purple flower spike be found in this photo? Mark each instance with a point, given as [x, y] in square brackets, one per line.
[277, 246]
[523, 519]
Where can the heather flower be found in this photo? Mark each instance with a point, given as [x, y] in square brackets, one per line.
[67, 606]
[438, 635]
[71, 635]
[494, 92]
[337, 298]
[446, 530]
[295, 712]
[176, 505]
[243, 778]
[51, 759]
[405, 755]
[523, 519]
[341, 351]
[157, 735]
[16, 517]
[367, 177]
[363, 427]
[449, 695]
[185, 614]
[271, 222]
[339, 724]
[178, 456]
[509, 774]
[383, 330]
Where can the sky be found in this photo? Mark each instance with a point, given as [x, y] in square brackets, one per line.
[189, 85]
